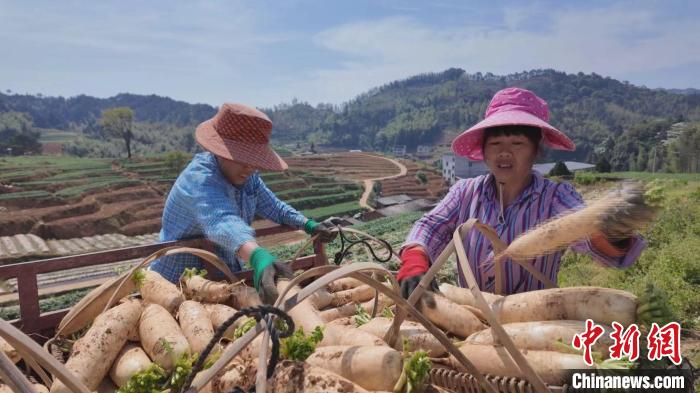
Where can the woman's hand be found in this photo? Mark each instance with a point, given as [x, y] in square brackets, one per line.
[414, 265]
[629, 214]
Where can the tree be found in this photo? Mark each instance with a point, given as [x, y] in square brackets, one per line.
[17, 135]
[560, 169]
[641, 163]
[603, 165]
[118, 122]
[422, 178]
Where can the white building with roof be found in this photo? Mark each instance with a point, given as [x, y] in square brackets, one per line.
[457, 167]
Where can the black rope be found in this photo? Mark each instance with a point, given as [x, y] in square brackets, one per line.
[344, 251]
[257, 312]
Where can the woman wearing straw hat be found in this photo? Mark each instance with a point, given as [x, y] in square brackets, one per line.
[511, 198]
[220, 192]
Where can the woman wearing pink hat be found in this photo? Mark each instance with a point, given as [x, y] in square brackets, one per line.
[512, 198]
[220, 192]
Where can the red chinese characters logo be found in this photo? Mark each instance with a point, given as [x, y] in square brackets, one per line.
[665, 342]
[626, 342]
[585, 340]
[662, 341]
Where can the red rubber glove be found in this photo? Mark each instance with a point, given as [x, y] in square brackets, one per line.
[414, 262]
[611, 249]
[414, 265]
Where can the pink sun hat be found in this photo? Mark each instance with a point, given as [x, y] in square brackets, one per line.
[511, 106]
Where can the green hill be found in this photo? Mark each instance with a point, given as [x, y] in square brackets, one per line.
[604, 116]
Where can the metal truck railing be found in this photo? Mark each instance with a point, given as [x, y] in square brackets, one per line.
[33, 322]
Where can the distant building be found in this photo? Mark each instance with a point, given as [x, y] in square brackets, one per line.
[573, 166]
[456, 167]
[424, 151]
[392, 200]
[400, 150]
[412, 206]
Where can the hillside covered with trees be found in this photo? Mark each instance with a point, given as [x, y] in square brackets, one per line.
[632, 127]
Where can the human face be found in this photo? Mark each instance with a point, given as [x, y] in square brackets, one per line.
[509, 157]
[237, 173]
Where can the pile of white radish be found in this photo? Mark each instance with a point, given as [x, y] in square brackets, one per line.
[542, 325]
[340, 356]
[152, 340]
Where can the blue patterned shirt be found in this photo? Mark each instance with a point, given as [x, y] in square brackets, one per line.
[203, 203]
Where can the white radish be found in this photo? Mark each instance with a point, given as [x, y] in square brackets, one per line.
[161, 336]
[304, 314]
[350, 309]
[544, 336]
[321, 298]
[552, 367]
[602, 305]
[464, 295]
[348, 335]
[301, 377]
[344, 283]
[353, 295]
[451, 316]
[196, 326]
[201, 289]
[156, 289]
[131, 360]
[243, 296]
[93, 354]
[373, 367]
[220, 313]
[417, 336]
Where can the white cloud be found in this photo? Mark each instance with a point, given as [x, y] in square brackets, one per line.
[216, 50]
[616, 41]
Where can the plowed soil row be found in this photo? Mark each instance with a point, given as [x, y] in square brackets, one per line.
[409, 184]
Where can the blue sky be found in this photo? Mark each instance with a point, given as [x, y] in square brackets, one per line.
[268, 52]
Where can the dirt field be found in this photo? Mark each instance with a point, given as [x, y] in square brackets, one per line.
[133, 203]
[410, 184]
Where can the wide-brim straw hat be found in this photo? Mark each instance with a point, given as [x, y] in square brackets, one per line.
[242, 134]
[509, 107]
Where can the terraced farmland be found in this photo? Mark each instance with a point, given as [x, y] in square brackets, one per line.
[354, 166]
[68, 197]
[65, 197]
[411, 185]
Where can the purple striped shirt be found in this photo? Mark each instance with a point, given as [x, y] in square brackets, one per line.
[477, 198]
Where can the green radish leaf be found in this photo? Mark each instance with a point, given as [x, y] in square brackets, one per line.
[388, 313]
[244, 328]
[415, 374]
[149, 380]
[139, 277]
[166, 345]
[654, 307]
[299, 346]
[361, 316]
[211, 359]
[193, 271]
[181, 369]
